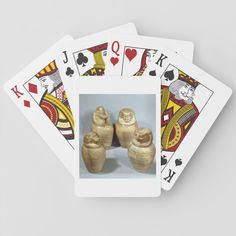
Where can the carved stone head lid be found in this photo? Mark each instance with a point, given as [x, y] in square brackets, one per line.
[142, 137]
[100, 116]
[127, 117]
[100, 109]
[101, 112]
[92, 140]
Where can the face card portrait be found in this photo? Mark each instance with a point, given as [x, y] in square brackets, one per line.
[130, 113]
[182, 98]
[140, 61]
[191, 100]
[47, 90]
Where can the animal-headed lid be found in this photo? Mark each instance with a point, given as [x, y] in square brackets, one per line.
[92, 140]
[142, 137]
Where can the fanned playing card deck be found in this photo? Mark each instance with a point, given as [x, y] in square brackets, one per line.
[124, 113]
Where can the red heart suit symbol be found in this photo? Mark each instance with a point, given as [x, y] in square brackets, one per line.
[130, 53]
[114, 60]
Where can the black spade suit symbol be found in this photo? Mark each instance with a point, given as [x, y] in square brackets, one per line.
[82, 59]
[69, 71]
[178, 162]
[163, 160]
[152, 73]
[169, 75]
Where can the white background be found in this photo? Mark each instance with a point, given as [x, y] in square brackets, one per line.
[36, 192]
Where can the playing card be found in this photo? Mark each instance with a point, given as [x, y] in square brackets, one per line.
[141, 60]
[184, 48]
[39, 93]
[88, 55]
[102, 170]
[191, 99]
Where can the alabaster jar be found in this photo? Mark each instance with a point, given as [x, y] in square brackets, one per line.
[141, 150]
[101, 124]
[93, 153]
[126, 126]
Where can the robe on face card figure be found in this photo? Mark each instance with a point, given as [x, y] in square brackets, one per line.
[126, 126]
[142, 151]
[93, 153]
[54, 101]
[178, 111]
[101, 124]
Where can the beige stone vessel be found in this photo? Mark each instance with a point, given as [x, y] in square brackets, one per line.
[142, 151]
[93, 153]
[126, 126]
[101, 124]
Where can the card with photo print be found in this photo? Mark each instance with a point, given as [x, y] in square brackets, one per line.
[130, 110]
